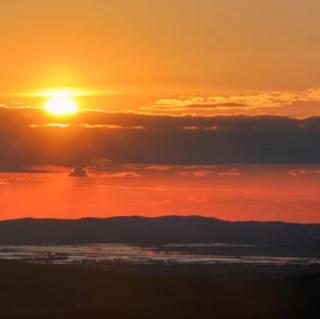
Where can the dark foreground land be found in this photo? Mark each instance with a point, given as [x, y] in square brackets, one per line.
[120, 292]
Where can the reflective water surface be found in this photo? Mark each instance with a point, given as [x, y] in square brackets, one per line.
[78, 254]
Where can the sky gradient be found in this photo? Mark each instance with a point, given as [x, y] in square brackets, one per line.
[208, 107]
[236, 192]
[143, 47]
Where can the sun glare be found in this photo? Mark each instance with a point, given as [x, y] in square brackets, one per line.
[61, 103]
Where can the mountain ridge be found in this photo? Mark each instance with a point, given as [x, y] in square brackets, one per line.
[156, 231]
[155, 218]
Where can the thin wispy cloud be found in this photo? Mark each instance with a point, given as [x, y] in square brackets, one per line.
[246, 104]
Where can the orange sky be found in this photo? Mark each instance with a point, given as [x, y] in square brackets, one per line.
[144, 51]
[161, 83]
[280, 192]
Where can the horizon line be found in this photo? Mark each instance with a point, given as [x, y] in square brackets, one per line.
[153, 217]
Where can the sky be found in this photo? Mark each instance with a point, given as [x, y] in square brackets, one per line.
[230, 192]
[206, 107]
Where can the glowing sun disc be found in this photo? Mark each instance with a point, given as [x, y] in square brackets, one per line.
[61, 104]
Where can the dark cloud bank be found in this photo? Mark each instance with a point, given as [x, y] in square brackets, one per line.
[27, 140]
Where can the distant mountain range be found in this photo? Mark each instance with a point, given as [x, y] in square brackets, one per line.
[157, 231]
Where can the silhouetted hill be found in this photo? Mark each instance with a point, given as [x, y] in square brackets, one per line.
[154, 231]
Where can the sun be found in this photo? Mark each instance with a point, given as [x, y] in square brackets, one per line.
[61, 103]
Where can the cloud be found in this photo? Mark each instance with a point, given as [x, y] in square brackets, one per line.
[27, 140]
[158, 168]
[107, 168]
[122, 175]
[217, 105]
[244, 104]
[78, 172]
[303, 171]
[231, 172]
[196, 172]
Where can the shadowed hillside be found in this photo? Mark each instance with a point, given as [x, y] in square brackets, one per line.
[286, 239]
[161, 230]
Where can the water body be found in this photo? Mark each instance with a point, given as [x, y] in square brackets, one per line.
[102, 253]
